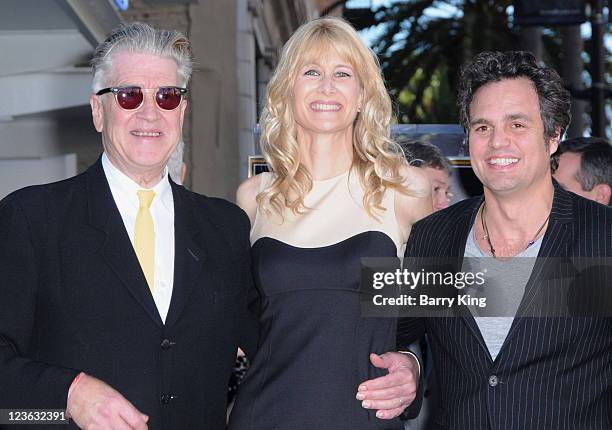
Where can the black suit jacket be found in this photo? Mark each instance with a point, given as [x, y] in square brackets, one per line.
[73, 298]
[551, 373]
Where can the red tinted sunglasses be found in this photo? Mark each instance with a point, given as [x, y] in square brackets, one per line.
[131, 98]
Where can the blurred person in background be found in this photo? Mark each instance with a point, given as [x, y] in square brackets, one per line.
[339, 190]
[583, 165]
[429, 158]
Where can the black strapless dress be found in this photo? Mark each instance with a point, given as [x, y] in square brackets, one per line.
[315, 344]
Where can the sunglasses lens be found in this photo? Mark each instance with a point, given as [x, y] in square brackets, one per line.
[129, 98]
[168, 98]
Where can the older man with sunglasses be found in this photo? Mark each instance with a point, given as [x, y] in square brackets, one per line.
[123, 293]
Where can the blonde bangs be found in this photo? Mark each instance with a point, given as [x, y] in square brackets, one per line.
[326, 43]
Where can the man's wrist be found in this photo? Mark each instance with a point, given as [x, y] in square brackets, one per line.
[416, 359]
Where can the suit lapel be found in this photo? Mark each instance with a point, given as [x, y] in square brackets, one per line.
[117, 249]
[462, 311]
[189, 255]
[455, 239]
[554, 243]
[455, 248]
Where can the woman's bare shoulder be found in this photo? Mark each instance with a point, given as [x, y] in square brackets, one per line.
[246, 195]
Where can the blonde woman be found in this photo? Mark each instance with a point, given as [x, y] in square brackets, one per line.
[339, 190]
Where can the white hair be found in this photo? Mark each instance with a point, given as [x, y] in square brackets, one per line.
[141, 38]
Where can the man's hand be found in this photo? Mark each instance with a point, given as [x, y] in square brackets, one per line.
[392, 393]
[93, 405]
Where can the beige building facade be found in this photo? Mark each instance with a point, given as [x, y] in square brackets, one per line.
[46, 133]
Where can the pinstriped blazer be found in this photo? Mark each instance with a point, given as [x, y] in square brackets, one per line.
[551, 373]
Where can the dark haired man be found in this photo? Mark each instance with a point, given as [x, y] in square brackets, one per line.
[516, 371]
[584, 166]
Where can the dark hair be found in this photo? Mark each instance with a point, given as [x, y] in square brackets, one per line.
[489, 67]
[595, 160]
[424, 154]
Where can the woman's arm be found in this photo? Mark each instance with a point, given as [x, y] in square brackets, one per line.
[411, 208]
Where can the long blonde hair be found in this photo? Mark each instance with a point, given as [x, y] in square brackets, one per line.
[376, 158]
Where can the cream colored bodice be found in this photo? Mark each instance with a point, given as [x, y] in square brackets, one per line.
[334, 213]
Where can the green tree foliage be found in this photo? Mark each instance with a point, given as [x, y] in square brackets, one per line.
[423, 45]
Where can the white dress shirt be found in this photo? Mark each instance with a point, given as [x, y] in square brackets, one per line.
[124, 192]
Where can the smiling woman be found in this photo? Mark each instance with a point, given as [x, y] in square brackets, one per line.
[328, 62]
[327, 96]
[339, 190]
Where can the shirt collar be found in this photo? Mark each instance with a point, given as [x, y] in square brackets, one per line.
[127, 188]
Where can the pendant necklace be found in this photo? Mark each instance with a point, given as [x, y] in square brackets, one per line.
[487, 237]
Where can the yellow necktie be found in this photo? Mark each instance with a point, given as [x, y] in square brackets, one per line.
[144, 236]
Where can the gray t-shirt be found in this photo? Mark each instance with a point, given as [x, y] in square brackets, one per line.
[504, 287]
